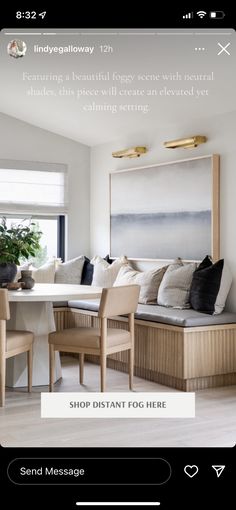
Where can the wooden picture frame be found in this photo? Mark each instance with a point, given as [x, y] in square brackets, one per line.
[166, 210]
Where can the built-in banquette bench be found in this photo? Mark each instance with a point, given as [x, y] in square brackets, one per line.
[183, 349]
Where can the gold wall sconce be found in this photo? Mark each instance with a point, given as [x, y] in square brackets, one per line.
[186, 143]
[134, 152]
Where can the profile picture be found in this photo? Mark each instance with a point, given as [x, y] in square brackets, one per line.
[16, 48]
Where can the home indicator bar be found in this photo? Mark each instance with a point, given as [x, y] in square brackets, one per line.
[117, 503]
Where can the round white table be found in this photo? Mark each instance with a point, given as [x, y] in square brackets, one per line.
[32, 310]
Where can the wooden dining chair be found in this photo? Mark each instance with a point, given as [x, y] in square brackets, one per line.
[11, 344]
[100, 341]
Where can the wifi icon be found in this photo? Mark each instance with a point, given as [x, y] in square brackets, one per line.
[201, 14]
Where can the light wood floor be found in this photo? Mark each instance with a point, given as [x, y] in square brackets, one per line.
[21, 425]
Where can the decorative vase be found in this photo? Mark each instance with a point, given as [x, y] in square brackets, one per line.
[26, 279]
[8, 272]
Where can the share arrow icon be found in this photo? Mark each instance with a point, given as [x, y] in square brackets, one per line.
[219, 470]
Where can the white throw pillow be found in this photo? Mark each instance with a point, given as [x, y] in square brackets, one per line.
[45, 273]
[104, 274]
[149, 281]
[175, 286]
[70, 271]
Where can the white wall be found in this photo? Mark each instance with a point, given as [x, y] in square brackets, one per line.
[220, 131]
[22, 141]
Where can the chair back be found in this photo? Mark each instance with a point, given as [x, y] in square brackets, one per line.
[119, 300]
[4, 305]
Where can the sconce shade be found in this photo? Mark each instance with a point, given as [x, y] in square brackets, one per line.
[134, 152]
[186, 143]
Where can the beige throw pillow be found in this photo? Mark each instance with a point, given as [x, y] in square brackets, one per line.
[149, 282]
[104, 274]
[175, 286]
[71, 271]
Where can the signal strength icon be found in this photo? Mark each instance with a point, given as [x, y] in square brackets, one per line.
[189, 15]
[201, 14]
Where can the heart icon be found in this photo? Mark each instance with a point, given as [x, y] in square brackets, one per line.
[191, 471]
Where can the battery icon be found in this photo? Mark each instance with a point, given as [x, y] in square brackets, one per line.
[217, 14]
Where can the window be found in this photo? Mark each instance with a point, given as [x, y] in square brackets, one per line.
[37, 191]
[49, 243]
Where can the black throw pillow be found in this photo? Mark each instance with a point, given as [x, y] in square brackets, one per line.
[87, 273]
[107, 259]
[210, 286]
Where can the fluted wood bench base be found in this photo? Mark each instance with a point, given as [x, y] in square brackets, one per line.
[185, 358]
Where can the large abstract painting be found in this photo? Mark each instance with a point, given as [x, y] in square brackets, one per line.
[166, 211]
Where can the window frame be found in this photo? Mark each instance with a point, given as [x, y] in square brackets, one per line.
[61, 222]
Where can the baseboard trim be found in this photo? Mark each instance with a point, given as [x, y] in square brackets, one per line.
[196, 384]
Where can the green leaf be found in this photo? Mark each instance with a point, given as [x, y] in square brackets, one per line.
[19, 241]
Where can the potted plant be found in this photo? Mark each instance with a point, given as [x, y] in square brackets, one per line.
[16, 242]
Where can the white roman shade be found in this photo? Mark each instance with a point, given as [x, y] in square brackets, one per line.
[32, 187]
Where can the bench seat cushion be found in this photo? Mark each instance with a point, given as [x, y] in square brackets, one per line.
[155, 313]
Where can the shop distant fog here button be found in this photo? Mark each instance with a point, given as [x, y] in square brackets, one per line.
[89, 471]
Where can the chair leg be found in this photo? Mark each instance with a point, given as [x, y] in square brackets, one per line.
[103, 372]
[51, 366]
[30, 366]
[131, 368]
[131, 350]
[2, 381]
[81, 368]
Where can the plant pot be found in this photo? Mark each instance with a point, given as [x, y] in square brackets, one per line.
[7, 272]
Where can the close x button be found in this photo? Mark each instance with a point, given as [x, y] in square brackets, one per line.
[89, 471]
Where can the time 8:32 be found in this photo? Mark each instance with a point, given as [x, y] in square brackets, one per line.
[30, 14]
